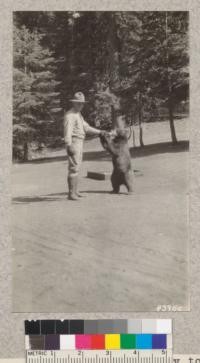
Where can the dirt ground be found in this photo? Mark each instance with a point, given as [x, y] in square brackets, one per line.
[104, 253]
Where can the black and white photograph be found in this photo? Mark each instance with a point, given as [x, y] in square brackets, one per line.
[100, 174]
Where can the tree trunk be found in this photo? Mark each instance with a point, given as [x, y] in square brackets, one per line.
[113, 55]
[25, 151]
[113, 117]
[133, 136]
[170, 101]
[141, 136]
[171, 122]
[140, 120]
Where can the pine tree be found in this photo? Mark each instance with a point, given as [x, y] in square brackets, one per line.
[138, 57]
[154, 60]
[133, 84]
[166, 59]
[35, 101]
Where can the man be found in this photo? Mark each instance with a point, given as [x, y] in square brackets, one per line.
[75, 129]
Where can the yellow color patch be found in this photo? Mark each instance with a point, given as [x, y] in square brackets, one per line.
[112, 341]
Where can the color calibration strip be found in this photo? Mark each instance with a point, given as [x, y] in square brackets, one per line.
[98, 341]
[98, 334]
[104, 326]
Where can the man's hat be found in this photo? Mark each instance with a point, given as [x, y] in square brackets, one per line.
[79, 97]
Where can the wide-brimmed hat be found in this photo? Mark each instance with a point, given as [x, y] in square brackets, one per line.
[78, 97]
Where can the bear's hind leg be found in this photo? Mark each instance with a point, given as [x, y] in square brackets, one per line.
[115, 183]
[128, 181]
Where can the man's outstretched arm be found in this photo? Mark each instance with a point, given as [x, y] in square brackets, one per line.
[90, 130]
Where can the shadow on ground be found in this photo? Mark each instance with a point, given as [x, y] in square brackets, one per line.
[56, 197]
[53, 197]
[102, 192]
[160, 148]
[136, 152]
[38, 199]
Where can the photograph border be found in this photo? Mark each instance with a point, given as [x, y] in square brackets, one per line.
[186, 325]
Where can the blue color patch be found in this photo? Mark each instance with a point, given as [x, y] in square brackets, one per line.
[144, 341]
[159, 341]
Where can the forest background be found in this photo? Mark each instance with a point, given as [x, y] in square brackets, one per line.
[131, 66]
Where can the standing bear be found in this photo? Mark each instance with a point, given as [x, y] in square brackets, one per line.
[118, 147]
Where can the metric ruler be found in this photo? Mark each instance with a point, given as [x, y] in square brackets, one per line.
[99, 356]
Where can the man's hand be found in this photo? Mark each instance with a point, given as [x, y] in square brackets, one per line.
[70, 150]
[104, 133]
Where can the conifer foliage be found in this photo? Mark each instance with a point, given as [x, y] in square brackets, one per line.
[35, 99]
[130, 63]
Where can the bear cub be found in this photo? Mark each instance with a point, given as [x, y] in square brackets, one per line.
[118, 147]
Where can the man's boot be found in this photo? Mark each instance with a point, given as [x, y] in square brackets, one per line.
[72, 183]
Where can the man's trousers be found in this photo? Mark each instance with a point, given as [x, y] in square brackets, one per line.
[74, 162]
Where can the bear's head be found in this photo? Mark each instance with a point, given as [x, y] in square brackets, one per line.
[121, 136]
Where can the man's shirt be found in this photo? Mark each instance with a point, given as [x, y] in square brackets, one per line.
[76, 126]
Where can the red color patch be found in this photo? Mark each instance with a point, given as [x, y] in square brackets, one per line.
[98, 341]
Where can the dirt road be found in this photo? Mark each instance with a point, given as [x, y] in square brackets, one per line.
[106, 252]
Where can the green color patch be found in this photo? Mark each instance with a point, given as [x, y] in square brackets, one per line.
[128, 341]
